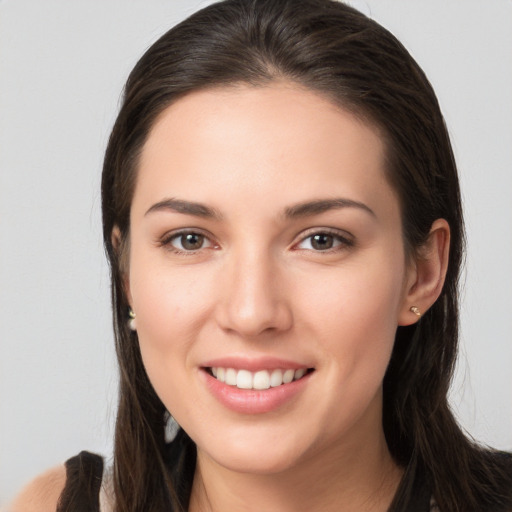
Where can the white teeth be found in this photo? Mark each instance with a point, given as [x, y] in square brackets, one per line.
[262, 379]
[231, 377]
[244, 379]
[299, 373]
[288, 376]
[276, 378]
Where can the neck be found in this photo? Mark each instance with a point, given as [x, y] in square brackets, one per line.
[362, 478]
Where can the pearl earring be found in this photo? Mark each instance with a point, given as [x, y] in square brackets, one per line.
[415, 310]
[131, 323]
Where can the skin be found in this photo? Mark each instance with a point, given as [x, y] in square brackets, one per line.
[257, 286]
[42, 494]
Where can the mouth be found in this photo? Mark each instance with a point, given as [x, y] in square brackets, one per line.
[259, 380]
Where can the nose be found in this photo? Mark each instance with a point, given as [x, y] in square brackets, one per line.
[254, 300]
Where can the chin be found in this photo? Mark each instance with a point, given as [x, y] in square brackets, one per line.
[268, 456]
[256, 464]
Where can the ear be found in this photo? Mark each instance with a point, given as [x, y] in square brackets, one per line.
[120, 247]
[426, 274]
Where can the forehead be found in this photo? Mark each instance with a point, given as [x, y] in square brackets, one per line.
[258, 139]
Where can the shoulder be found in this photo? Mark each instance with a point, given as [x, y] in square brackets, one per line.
[42, 494]
[72, 486]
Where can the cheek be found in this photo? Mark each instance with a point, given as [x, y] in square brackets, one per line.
[352, 319]
[171, 306]
[359, 294]
[355, 312]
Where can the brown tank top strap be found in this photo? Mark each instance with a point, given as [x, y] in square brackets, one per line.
[84, 473]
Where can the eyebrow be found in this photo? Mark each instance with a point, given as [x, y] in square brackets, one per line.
[306, 209]
[323, 205]
[185, 207]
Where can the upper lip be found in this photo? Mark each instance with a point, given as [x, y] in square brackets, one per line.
[253, 364]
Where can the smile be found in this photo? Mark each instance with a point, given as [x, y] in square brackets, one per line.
[259, 380]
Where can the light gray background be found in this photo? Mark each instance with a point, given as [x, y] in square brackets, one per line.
[62, 67]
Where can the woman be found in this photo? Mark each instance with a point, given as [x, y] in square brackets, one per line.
[282, 217]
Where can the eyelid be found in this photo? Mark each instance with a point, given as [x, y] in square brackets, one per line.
[166, 240]
[347, 239]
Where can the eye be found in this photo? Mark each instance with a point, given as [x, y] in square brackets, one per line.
[324, 241]
[187, 241]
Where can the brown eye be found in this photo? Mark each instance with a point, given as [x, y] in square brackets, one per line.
[325, 241]
[189, 242]
[322, 241]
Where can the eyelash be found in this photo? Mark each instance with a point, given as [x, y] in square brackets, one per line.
[343, 242]
[167, 240]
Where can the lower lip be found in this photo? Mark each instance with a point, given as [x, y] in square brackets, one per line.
[252, 401]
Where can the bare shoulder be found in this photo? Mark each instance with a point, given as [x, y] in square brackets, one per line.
[42, 494]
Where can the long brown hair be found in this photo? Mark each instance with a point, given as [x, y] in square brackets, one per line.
[335, 50]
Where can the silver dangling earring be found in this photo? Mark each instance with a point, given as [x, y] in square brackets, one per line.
[171, 427]
[132, 323]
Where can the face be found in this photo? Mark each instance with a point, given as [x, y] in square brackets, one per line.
[267, 273]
